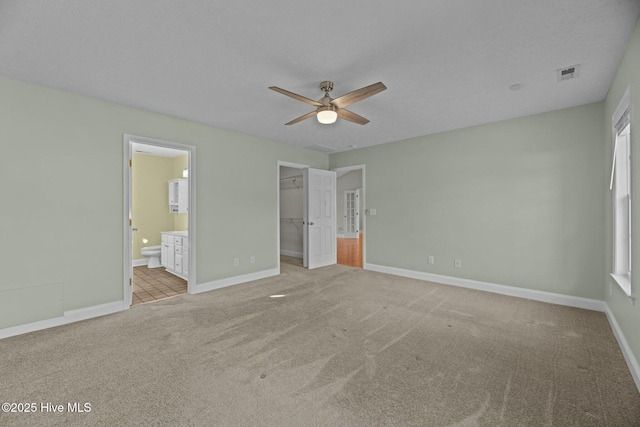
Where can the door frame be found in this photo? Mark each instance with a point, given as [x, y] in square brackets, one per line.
[289, 165]
[127, 227]
[363, 195]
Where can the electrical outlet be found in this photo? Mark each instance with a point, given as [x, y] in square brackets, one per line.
[253, 259]
[236, 262]
[457, 263]
[431, 260]
[372, 212]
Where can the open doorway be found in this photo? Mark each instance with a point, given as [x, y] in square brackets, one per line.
[306, 209]
[291, 211]
[350, 215]
[159, 188]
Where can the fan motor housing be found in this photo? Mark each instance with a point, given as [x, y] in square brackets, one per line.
[326, 86]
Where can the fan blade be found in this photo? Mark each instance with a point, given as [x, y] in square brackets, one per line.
[352, 117]
[358, 95]
[301, 118]
[296, 96]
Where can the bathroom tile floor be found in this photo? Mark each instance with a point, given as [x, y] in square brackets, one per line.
[152, 284]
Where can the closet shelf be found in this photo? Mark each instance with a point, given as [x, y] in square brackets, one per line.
[285, 178]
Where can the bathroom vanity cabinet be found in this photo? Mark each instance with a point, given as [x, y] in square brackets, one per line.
[178, 196]
[175, 253]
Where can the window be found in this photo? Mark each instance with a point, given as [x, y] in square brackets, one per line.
[621, 186]
[352, 213]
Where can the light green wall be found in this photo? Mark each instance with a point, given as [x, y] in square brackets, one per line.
[63, 159]
[627, 315]
[519, 202]
[150, 214]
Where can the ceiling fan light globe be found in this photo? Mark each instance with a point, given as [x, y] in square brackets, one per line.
[327, 116]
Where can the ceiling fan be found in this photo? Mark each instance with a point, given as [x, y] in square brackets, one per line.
[329, 109]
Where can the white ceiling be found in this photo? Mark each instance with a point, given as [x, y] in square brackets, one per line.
[447, 64]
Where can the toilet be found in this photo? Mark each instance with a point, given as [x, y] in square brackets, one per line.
[153, 253]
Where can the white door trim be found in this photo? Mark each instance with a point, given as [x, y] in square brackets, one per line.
[128, 262]
[289, 165]
[363, 196]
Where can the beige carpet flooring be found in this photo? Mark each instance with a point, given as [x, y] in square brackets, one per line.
[344, 347]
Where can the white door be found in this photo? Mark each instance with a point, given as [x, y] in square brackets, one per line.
[352, 214]
[319, 237]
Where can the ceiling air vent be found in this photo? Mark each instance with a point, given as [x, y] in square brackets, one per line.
[568, 72]
[321, 148]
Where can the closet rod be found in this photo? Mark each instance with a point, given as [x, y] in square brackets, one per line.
[291, 177]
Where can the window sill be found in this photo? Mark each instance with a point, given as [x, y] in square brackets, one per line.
[624, 282]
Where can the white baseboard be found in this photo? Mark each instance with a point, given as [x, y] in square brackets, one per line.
[550, 297]
[292, 253]
[631, 360]
[236, 280]
[68, 317]
[140, 262]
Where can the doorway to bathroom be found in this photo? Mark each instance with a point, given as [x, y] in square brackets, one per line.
[159, 219]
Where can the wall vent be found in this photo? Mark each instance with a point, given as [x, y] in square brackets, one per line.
[321, 148]
[568, 72]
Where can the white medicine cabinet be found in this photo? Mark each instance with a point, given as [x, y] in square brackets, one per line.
[178, 196]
